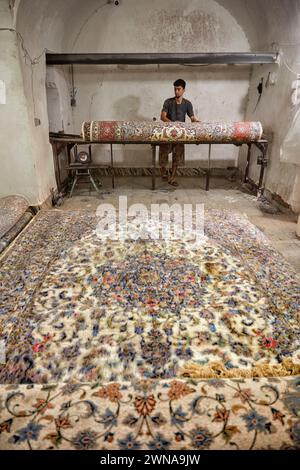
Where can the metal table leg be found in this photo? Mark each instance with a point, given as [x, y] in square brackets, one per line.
[208, 169]
[153, 166]
[56, 166]
[264, 162]
[247, 163]
[112, 167]
[93, 181]
[73, 185]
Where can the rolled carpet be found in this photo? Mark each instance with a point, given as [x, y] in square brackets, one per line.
[152, 131]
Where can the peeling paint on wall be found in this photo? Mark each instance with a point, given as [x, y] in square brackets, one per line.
[194, 31]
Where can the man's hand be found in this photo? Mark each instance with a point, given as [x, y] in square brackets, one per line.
[195, 119]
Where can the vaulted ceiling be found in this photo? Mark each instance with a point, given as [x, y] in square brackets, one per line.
[58, 22]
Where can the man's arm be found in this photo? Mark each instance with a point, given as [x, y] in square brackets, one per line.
[163, 116]
[164, 112]
[190, 113]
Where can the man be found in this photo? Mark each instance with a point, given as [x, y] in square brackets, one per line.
[174, 109]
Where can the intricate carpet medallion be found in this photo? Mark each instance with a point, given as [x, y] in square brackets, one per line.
[145, 309]
[104, 314]
[153, 132]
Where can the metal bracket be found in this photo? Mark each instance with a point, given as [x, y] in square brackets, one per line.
[261, 160]
[262, 146]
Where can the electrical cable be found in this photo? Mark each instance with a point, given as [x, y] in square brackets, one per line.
[33, 61]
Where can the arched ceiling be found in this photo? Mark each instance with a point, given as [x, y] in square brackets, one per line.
[57, 22]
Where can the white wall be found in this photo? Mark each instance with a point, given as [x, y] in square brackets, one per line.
[41, 28]
[138, 92]
[18, 166]
[58, 99]
[276, 110]
[26, 155]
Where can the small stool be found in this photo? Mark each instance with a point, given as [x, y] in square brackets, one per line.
[81, 171]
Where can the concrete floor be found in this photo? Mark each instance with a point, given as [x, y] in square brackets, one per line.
[280, 228]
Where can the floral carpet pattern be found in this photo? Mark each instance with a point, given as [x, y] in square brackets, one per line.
[149, 131]
[259, 414]
[141, 334]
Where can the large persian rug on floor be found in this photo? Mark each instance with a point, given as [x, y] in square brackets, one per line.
[148, 344]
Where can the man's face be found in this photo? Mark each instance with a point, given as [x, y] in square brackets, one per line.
[179, 90]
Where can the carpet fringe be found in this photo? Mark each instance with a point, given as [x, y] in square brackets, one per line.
[218, 370]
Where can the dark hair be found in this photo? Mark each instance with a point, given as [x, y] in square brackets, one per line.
[179, 82]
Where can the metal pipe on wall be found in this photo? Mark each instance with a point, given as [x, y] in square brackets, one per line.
[223, 58]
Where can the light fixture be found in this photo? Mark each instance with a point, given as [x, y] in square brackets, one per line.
[83, 157]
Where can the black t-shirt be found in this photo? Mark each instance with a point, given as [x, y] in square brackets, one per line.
[177, 112]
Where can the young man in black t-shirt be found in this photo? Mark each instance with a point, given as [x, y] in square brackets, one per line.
[175, 109]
